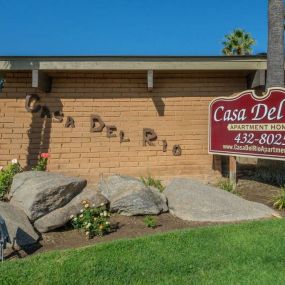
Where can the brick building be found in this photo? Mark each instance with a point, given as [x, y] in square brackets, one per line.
[120, 106]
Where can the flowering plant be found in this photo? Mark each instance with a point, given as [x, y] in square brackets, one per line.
[94, 221]
[42, 162]
[6, 177]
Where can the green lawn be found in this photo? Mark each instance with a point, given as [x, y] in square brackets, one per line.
[248, 253]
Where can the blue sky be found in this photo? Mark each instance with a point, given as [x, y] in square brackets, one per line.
[127, 27]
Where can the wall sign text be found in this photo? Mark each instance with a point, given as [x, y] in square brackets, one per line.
[97, 125]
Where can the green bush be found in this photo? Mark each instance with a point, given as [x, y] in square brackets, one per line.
[227, 185]
[6, 177]
[150, 222]
[151, 181]
[274, 176]
[94, 221]
[279, 200]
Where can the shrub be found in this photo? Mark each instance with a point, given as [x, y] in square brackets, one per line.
[94, 221]
[42, 162]
[151, 181]
[6, 177]
[150, 222]
[269, 175]
[279, 200]
[227, 185]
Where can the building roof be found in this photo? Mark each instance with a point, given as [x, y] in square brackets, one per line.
[89, 63]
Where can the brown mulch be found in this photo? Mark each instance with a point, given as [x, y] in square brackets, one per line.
[130, 227]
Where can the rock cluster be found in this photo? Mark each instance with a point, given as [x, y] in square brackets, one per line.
[45, 201]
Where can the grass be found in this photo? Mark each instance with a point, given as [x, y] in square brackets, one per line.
[227, 185]
[248, 253]
[151, 181]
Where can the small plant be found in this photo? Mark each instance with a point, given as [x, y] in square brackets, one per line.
[42, 162]
[279, 200]
[227, 185]
[94, 221]
[6, 177]
[150, 222]
[151, 181]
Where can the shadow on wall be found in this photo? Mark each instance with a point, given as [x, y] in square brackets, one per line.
[40, 129]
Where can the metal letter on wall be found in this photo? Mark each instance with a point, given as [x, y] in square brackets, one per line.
[176, 150]
[149, 135]
[58, 116]
[164, 145]
[110, 131]
[28, 101]
[93, 121]
[70, 122]
[122, 137]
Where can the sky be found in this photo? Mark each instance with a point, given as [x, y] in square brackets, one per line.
[127, 27]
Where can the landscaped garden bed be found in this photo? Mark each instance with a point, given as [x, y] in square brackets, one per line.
[130, 227]
[66, 213]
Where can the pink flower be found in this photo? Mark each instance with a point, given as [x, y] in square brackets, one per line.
[44, 155]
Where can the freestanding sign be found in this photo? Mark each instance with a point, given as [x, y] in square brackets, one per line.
[248, 125]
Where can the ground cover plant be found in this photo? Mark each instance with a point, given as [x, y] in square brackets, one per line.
[247, 253]
[227, 185]
[151, 181]
[150, 222]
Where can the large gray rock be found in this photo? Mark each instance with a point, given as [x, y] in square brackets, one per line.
[129, 196]
[20, 230]
[38, 193]
[194, 201]
[61, 216]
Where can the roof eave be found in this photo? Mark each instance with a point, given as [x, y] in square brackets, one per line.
[65, 63]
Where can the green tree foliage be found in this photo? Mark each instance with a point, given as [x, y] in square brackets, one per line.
[239, 42]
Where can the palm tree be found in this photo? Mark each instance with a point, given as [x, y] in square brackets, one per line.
[275, 52]
[239, 42]
[275, 64]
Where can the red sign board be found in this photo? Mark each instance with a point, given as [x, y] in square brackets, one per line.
[249, 125]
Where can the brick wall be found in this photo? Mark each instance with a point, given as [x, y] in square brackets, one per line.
[177, 110]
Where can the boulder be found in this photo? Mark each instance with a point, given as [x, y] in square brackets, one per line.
[129, 196]
[61, 216]
[20, 230]
[38, 193]
[194, 201]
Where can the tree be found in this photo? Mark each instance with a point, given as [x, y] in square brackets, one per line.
[275, 64]
[275, 52]
[239, 42]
